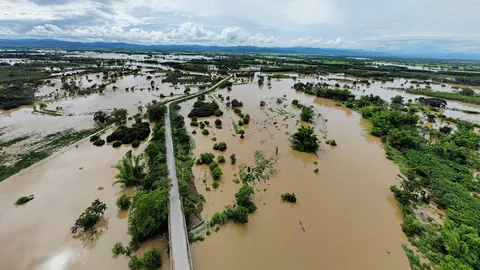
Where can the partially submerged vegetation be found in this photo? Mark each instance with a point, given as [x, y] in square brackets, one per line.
[24, 199]
[305, 140]
[89, 218]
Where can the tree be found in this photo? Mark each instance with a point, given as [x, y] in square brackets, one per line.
[307, 114]
[221, 146]
[120, 116]
[397, 100]
[221, 159]
[233, 159]
[243, 197]
[205, 158]
[156, 112]
[305, 140]
[89, 217]
[118, 249]
[216, 172]
[218, 123]
[467, 92]
[236, 104]
[102, 117]
[131, 170]
[149, 214]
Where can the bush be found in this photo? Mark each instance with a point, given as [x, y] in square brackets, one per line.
[240, 123]
[117, 144]
[206, 159]
[218, 113]
[110, 139]
[217, 173]
[306, 114]
[205, 132]
[135, 143]
[89, 217]
[221, 159]
[289, 197]
[123, 202]
[237, 111]
[295, 102]
[233, 159]
[243, 198]
[331, 142]
[202, 125]
[236, 104]
[238, 214]
[246, 119]
[218, 123]
[411, 226]
[221, 146]
[218, 219]
[151, 261]
[94, 138]
[99, 142]
[24, 199]
[118, 249]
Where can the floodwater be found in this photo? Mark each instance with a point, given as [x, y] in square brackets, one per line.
[350, 218]
[37, 235]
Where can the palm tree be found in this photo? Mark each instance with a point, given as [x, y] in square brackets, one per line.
[130, 170]
[305, 140]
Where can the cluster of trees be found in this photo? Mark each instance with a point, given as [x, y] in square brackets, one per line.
[239, 212]
[15, 96]
[126, 135]
[203, 109]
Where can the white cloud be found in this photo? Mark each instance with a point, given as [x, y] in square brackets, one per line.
[368, 24]
[187, 33]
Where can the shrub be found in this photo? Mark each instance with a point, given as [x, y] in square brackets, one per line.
[411, 226]
[202, 125]
[151, 261]
[331, 142]
[238, 214]
[218, 219]
[216, 171]
[233, 159]
[306, 114]
[218, 113]
[246, 119]
[110, 139]
[118, 249]
[205, 158]
[135, 143]
[237, 111]
[240, 122]
[215, 185]
[235, 103]
[221, 146]
[24, 199]
[123, 202]
[221, 159]
[94, 138]
[243, 198]
[295, 102]
[289, 197]
[89, 217]
[99, 142]
[117, 144]
[205, 132]
[218, 123]
[194, 132]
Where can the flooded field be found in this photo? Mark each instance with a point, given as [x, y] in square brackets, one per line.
[37, 235]
[350, 218]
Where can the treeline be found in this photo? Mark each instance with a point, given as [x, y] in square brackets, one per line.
[16, 96]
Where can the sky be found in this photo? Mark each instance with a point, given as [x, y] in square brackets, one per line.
[381, 25]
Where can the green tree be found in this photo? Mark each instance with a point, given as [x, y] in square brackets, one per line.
[233, 159]
[149, 214]
[243, 197]
[307, 114]
[120, 116]
[89, 217]
[131, 170]
[305, 140]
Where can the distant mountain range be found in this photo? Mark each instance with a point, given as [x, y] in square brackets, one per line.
[70, 45]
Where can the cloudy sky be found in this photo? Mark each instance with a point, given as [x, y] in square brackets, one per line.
[383, 25]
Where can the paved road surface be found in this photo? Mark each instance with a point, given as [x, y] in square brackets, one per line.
[179, 249]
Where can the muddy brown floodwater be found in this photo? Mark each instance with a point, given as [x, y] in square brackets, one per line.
[37, 235]
[350, 218]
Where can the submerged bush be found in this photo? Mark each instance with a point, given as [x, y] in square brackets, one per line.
[89, 217]
[221, 146]
[123, 202]
[117, 144]
[24, 199]
[99, 142]
[289, 197]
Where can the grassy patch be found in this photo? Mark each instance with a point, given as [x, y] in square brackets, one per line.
[13, 141]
